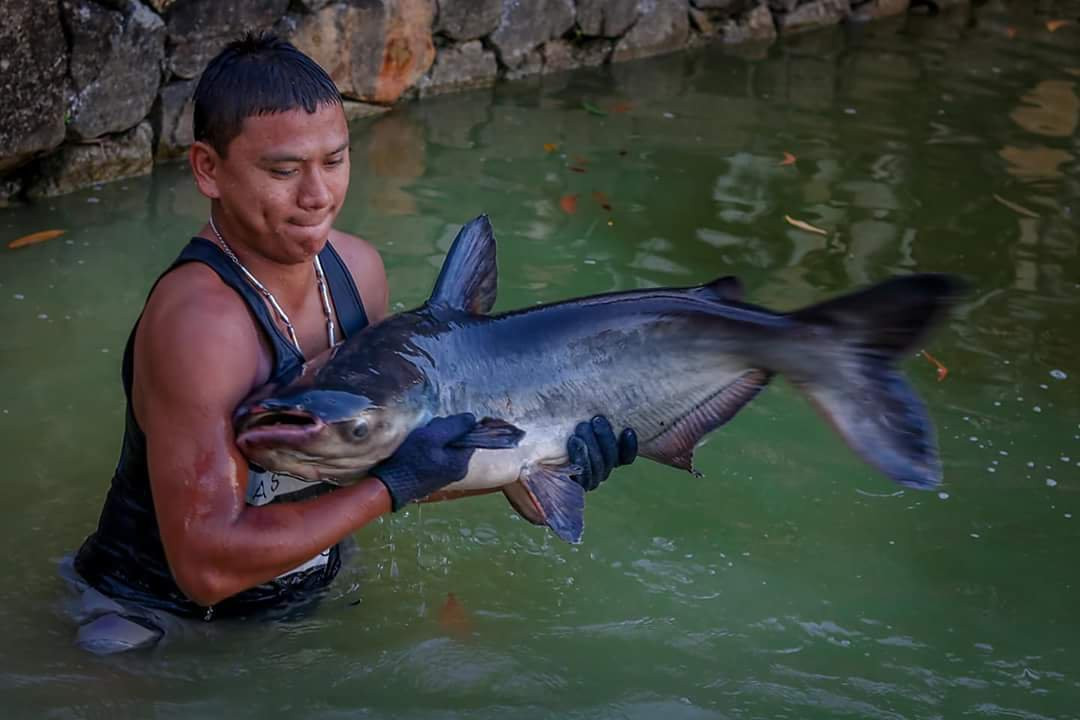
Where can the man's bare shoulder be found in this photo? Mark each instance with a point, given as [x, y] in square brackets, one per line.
[366, 267]
[196, 327]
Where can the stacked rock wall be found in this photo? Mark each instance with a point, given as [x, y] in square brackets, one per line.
[97, 90]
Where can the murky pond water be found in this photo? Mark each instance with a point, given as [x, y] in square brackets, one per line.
[791, 582]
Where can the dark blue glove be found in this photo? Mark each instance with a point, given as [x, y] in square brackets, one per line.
[594, 448]
[427, 461]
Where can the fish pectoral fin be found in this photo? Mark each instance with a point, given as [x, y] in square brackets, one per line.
[491, 434]
[675, 445]
[558, 498]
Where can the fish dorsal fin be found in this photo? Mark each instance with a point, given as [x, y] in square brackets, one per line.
[469, 277]
[728, 287]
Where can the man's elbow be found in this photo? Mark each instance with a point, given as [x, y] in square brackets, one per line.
[203, 586]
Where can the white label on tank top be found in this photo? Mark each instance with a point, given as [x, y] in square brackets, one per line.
[263, 487]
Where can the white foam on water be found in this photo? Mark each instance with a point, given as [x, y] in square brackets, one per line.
[1058, 374]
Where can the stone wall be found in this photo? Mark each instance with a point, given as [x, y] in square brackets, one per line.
[98, 90]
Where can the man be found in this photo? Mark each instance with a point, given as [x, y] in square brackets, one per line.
[188, 528]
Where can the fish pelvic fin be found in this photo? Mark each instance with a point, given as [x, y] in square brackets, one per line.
[557, 498]
[860, 390]
[675, 444]
[469, 277]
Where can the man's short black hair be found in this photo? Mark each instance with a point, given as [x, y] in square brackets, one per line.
[260, 74]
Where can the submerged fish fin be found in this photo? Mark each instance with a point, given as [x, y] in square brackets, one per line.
[728, 287]
[519, 498]
[558, 497]
[675, 445]
[490, 434]
[863, 394]
[469, 277]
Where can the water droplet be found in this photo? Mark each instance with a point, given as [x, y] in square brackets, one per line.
[943, 495]
[1003, 452]
[1051, 482]
[973, 439]
[42, 316]
[1044, 386]
[1030, 464]
[975, 535]
[990, 469]
[1068, 516]
[19, 296]
[1058, 374]
[1037, 409]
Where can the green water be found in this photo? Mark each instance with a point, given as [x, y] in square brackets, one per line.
[791, 582]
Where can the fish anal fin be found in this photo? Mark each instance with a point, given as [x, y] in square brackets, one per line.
[674, 445]
[559, 497]
[469, 277]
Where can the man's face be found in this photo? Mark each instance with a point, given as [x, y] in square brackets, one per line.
[284, 179]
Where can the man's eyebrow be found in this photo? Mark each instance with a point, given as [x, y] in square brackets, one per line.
[287, 157]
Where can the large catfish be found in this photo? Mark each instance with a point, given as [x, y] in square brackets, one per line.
[672, 363]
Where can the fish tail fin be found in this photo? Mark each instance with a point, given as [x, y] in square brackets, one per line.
[860, 390]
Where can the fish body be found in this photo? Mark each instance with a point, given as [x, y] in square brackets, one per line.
[671, 363]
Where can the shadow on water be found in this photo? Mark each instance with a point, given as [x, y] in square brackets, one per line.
[793, 581]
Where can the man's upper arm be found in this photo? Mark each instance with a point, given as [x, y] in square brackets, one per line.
[366, 267]
[196, 357]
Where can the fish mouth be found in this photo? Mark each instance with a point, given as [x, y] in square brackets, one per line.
[260, 428]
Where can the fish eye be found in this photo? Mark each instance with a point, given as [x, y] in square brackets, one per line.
[360, 430]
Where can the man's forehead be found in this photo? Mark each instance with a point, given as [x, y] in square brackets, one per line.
[295, 132]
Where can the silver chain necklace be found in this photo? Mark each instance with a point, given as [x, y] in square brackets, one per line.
[319, 276]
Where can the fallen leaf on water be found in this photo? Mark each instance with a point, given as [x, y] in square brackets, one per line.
[575, 168]
[1054, 25]
[805, 226]
[789, 159]
[550, 147]
[1010, 32]
[942, 371]
[568, 203]
[1016, 208]
[34, 238]
[590, 108]
[602, 200]
[453, 619]
[622, 107]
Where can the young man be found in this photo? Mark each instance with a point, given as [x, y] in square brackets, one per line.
[188, 528]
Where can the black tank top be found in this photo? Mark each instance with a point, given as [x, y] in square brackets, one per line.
[125, 558]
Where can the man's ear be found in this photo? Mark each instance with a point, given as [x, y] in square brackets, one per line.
[205, 163]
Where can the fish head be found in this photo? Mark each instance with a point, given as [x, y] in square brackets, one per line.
[321, 434]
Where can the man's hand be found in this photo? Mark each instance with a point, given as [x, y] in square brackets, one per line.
[594, 448]
[426, 462]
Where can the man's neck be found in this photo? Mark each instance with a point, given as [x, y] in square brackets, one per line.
[290, 283]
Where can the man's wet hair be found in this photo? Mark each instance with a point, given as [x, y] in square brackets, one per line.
[260, 74]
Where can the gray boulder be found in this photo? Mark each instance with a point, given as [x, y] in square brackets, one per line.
[115, 66]
[468, 19]
[755, 25]
[606, 18]
[665, 29]
[198, 29]
[459, 67]
[525, 25]
[33, 60]
[819, 13]
[77, 166]
[171, 118]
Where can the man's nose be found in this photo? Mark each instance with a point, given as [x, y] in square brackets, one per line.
[315, 191]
